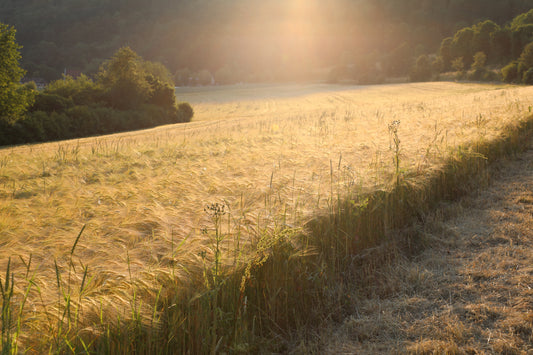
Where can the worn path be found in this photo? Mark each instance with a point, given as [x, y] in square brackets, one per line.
[471, 291]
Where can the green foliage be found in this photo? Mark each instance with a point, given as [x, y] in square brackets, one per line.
[501, 45]
[80, 34]
[520, 37]
[124, 80]
[14, 98]
[185, 112]
[522, 19]
[445, 52]
[10, 71]
[521, 70]
[462, 45]
[527, 78]
[482, 37]
[158, 71]
[50, 102]
[458, 64]
[527, 56]
[438, 65]
[70, 108]
[161, 94]
[479, 61]
[81, 91]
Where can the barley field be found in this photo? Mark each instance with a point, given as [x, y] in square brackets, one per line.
[92, 228]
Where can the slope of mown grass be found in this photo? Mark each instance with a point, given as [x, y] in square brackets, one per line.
[205, 236]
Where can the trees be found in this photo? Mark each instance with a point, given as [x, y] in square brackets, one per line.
[124, 80]
[510, 72]
[445, 52]
[482, 37]
[459, 66]
[213, 34]
[462, 45]
[493, 45]
[422, 70]
[480, 58]
[520, 70]
[128, 82]
[129, 94]
[525, 64]
[14, 97]
[527, 56]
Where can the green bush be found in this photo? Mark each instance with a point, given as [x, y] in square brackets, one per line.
[185, 112]
[82, 90]
[48, 102]
[510, 72]
[130, 94]
[527, 78]
[162, 94]
[490, 75]
[482, 74]
[30, 129]
[56, 125]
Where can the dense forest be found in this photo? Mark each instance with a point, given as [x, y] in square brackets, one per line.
[241, 40]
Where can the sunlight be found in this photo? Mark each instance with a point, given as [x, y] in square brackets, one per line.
[302, 18]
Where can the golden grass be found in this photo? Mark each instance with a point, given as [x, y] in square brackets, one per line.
[275, 159]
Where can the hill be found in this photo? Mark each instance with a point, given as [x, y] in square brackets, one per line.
[243, 39]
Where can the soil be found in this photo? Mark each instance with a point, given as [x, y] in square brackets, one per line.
[470, 291]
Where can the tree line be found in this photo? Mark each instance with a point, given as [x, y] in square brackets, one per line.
[474, 50]
[242, 40]
[128, 93]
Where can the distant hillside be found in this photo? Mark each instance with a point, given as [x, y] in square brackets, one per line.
[261, 40]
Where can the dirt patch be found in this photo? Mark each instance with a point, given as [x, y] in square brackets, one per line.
[471, 291]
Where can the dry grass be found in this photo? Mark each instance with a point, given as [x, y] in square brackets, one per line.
[274, 159]
[470, 291]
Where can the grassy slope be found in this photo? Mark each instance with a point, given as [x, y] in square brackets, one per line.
[274, 159]
[469, 291]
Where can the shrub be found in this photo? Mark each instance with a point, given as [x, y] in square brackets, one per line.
[510, 72]
[490, 75]
[50, 102]
[56, 125]
[162, 94]
[438, 65]
[480, 58]
[131, 94]
[185, 112]
[30, 129]
[82, 90]
[85, 121]
[527, 78]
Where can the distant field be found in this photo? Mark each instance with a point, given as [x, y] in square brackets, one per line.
[274, 155]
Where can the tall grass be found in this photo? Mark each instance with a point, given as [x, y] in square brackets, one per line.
[203, 241]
